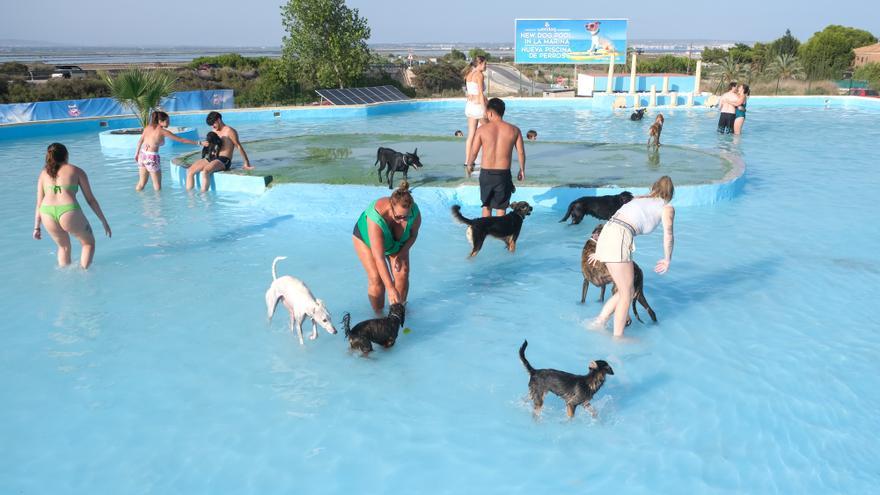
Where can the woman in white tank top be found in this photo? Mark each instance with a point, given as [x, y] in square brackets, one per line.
[475, 108]
[615, 246]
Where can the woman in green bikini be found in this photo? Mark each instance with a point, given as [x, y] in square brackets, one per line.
[58, 210]
[383, 236]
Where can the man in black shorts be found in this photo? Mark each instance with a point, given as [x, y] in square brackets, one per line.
[728, 103]
[205, 168]
[497, 139]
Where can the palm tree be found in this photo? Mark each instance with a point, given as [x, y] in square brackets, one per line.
[140, 90]
[727, 70]
[786, 66]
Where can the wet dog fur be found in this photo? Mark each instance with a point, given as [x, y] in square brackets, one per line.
[300, 303]
[396, 162]
[575, 390]
[655, 130]
[637, 114]
[599, 276]
[506, 228]
[212, 151]
[601, 207]
[382, 331]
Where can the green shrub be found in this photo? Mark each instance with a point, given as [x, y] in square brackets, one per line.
[13, 69]
[230, 60]
[440, 76]
[871, 73]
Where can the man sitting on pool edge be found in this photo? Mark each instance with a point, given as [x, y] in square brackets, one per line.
[223, 160]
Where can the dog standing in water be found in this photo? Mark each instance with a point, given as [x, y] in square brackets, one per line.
[598, 275]
[575, 390]
[382, 331]
[300, 303]
[655, 130]
[396, 162]
[506, 228]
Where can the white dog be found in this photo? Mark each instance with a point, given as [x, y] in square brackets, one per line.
[598, 42]
[300, 303]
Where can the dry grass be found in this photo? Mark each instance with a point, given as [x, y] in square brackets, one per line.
[787, 87]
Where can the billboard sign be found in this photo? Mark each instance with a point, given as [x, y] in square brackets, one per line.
[570, 41]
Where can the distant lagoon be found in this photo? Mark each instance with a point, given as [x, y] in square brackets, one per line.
[56, 55]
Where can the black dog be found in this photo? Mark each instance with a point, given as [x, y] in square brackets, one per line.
[396, 162]
[505, 228]
[637, 115]
[601, 207]
[212, 151]
[382, 331]
[573, 389]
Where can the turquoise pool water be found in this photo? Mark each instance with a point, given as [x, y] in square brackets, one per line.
[155, 372]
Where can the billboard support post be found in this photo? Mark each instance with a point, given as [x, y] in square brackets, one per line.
[609, 88]
[632, 75]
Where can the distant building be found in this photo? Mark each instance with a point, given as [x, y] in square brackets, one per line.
[867, 54]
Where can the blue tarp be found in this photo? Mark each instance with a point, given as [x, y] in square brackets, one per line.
[103, 107]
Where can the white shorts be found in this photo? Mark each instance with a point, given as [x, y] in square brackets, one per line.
[615, 244]
[474, 110]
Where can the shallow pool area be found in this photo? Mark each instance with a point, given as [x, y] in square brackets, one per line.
[352, 159]
[156, 371]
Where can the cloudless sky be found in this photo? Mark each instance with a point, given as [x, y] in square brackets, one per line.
[258, 22]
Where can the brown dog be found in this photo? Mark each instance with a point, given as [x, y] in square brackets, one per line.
[655, 130]
[598, 275]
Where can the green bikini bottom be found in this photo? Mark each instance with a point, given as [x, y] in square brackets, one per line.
[55, 211]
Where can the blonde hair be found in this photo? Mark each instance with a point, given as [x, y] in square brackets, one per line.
[479, 59]
[401, 196]
[663, 188]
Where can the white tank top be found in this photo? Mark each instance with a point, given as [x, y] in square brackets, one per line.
[642, 213]
[472, 88]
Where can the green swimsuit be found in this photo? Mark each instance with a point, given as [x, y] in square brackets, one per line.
[392, 245]
[55, 211]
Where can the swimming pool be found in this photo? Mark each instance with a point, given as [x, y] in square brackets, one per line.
[156, 372]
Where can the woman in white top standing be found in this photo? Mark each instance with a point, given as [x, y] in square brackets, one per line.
[475, 109]
[615, 246]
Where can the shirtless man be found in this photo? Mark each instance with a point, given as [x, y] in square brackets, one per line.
[224, 160]
[728, 103]
[497, 139]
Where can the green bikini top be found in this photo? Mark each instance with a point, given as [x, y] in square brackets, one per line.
[392, 245]
[57, 189]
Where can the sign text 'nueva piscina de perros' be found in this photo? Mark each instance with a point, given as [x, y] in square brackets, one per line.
[570, 41]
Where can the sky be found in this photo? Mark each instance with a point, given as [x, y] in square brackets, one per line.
[258, 22]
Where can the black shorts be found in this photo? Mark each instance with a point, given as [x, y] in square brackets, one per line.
[226, 161]
[725, 122]
[496, 187]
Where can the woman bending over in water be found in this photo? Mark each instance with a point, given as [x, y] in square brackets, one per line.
[58, 210]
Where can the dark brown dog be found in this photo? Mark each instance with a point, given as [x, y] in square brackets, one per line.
[575, 390]
[598, 275]
[655, 130]
[506, 228]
